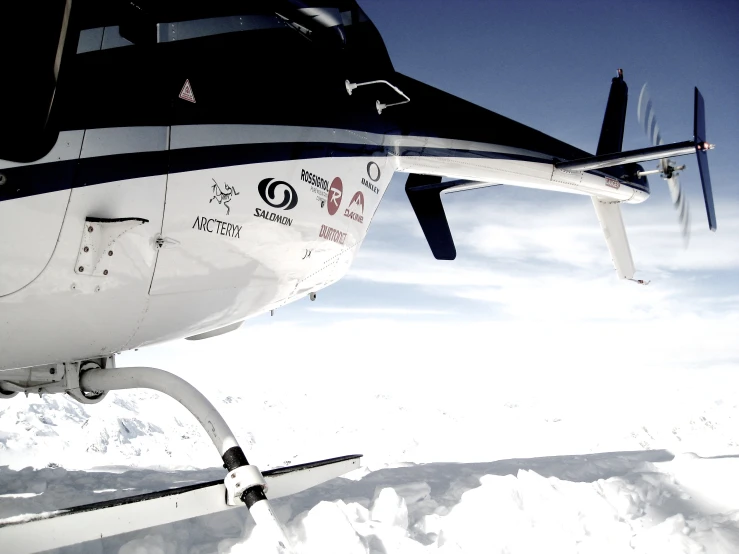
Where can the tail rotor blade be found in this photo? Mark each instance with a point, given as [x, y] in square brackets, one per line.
[648, 120]
[647, 117]
[680, 202]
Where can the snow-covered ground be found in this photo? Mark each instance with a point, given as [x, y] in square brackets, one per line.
[601, 503]
[471, 460]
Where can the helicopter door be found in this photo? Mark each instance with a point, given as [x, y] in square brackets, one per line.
[33, 201]
[37, 163]
[211, 238]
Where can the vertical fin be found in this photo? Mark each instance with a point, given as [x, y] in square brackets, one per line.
[699, 135]
[612, 132]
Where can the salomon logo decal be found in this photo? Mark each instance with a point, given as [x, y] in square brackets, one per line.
[268, 191]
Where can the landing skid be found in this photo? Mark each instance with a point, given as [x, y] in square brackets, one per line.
[72, 526]
[244, 483]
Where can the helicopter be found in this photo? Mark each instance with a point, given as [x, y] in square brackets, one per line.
[170, 169]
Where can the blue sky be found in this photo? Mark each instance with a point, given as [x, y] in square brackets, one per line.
[533, 289]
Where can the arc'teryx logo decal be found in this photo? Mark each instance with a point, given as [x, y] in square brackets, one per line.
[217, 226]
[223, 197]
[267, 190]
[334, 196]
[355, 210]
[211, 225]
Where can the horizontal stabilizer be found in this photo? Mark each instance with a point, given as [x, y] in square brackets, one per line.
[609, 216]
[424, 194]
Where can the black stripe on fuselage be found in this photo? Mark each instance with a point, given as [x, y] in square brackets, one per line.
[30, 180]
[34, 179]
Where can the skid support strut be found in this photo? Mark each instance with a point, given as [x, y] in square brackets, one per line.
[244, 481]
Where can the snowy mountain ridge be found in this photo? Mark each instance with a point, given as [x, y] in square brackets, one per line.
[147, 429]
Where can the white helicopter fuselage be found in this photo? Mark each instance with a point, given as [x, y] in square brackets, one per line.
[170, 183]
[210, 251]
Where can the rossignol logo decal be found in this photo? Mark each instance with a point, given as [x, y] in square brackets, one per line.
[268, 191]
[373, 172]
[223, 197]
[334, 196]
[355, 210]
[314, 180]
[318, 185]
[329, 233]
[216, 226]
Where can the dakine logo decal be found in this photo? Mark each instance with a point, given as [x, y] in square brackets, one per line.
[355, 210]
[373, 172]
[334, 196]
[212, 225]
[268, 190]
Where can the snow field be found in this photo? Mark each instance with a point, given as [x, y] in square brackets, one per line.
[602, 503]
[406, 423]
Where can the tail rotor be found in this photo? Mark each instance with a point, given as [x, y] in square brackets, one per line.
[667, 168]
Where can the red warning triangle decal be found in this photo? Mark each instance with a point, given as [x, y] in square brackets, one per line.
[186, 92]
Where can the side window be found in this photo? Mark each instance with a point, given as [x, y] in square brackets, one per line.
[32, 36]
